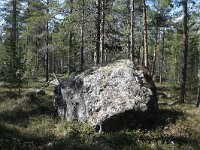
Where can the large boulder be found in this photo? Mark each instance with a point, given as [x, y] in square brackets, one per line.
[109, 98]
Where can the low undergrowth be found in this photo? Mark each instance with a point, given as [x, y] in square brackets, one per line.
[31, 124]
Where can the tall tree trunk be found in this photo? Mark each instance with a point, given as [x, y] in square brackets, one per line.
[70, 50]
[61, 65]
[74, 64]
[50, 62]
[145, 35]
[175, 76]
[37, 66]
[138, 54]
[162, 57]
[70, 53]
[103, 31]
[132, 29]
[14, 37]
[47, 45]
[27, 37]
[82, 36]
[98, 31]
[185, 51]
[154, 53]
[54, 62]
[128, 52]
[198, 94]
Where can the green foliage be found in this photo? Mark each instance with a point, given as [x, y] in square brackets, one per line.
[13, 57]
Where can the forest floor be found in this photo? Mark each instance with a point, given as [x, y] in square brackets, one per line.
[29, 123]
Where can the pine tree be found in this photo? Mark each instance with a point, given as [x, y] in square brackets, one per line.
[82, 36]
[14, 50]
[145, 35]
[185, 50]
[98, 31]
[132, 29]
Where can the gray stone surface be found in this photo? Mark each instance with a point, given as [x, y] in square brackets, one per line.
[107, 97]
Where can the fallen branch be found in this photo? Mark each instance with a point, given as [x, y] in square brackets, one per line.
[55, 81]
[40, 91]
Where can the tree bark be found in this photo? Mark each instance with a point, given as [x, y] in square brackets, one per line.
[128, 52]
[47, 49]
[27, 37]
[198, 94]
[103, 32]
[175, 72]
[82, 36]
[145, 35]
[70, 50]
[162, 57]
[138, 54]
[132, 29]
[198, 97]
[154, 53]
[54, 62]
[14, 36]
[98, 31]
[185, 51]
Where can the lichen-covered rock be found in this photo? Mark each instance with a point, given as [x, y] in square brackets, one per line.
[109, 98]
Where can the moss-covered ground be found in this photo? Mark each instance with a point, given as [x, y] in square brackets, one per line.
[27, 123]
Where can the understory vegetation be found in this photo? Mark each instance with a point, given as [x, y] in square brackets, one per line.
[30, 123]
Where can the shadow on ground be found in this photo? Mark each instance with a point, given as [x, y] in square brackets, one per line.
[163, 117]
